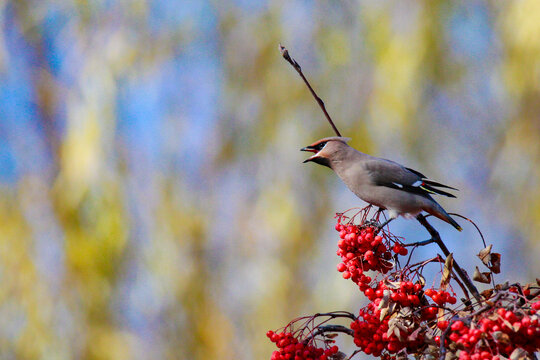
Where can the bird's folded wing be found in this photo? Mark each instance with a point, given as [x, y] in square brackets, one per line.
[391, 174]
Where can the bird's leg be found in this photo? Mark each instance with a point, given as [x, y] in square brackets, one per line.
[385, 223]
[374, 221]
[378, 213]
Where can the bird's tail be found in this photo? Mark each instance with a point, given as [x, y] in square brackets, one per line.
[437, 211]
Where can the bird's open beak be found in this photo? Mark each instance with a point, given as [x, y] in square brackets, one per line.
[310, 149]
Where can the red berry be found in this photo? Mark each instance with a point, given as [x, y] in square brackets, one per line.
[442, 324]
[458, 325]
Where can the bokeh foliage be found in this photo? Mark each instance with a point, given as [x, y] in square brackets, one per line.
[153, 203]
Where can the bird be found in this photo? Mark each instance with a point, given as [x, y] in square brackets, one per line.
[381, 182]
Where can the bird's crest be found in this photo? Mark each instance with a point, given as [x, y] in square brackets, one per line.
[332, 138]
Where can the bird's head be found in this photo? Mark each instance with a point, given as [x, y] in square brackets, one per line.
[325, 150]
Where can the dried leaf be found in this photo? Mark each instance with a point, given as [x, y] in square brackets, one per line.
[450, 356]
[383, 314]
[483, 277]
[485, 255]
[401, 356]
[503, 286]
[397, 332]
[414, 335]
[495, 263]
[405, 312]
[447, 271]
[390, 329]
[393, 284]
[338, 356]
[507, 323]
[518, 354]
[487, 294]
[330, 336]
[392, 307]
[385, 299]
[446, 276]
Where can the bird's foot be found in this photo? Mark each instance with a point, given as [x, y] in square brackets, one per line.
[370, 223]
[381, 226]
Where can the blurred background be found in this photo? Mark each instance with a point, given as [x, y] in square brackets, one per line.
[153, 200]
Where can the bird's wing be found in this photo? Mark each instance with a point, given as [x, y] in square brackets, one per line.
[391, 174]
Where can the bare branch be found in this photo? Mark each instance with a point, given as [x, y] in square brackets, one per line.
[461, 273]
[296, 66]
[330, 328]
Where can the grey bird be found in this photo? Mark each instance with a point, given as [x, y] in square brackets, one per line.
[380, 182]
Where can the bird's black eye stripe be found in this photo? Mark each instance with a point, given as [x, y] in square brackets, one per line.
[320, 146]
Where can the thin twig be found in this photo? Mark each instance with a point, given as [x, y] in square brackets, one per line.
[353, 354]
[462, 274]
[330, 328]
[474, 224]
[337, 314]
[296, 66]
[421, 243]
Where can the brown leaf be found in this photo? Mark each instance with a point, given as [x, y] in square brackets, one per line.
[447, 271]
[392, 307]
[495, 263]
[484, 255]
[393, 284]
[397, 332]
[401, 356]
[507, 323]
[519, 354]
[483, 277]
[385, 300]
[503, 286]
[414, 335]
[487, 294]
[338, 356]
[383, 314]
[391, 329]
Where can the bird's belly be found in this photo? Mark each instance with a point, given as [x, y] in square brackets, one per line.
[395, 201]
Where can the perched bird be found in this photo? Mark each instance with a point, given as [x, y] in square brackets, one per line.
[381, 182]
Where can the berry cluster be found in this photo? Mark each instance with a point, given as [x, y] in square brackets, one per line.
[440, 297]
[372, 335]
[361, 249]
[404, 318]
[404, 293]
[290, 348]
[497, 332]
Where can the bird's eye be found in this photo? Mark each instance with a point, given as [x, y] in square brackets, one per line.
[320, 146]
